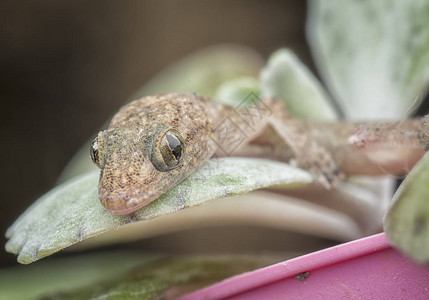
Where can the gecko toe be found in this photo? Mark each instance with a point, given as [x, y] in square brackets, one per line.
[328, 174]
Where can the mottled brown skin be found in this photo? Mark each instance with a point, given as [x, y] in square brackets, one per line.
[128, 178]
[139, 162]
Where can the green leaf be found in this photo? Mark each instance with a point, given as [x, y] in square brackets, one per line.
[119, 273]
[338, 216]
[167, 278]
[31, 282]
[234, 92]
[71, 212]
[285, 77]
[407, 220]
[373, 55]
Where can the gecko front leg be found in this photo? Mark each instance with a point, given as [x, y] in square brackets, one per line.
[308, 153]
[271, 132]
[312, 156]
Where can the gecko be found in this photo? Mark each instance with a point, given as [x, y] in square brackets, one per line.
[155, 142]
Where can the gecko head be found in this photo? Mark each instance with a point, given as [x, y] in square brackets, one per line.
[136, 169]
[139, 165]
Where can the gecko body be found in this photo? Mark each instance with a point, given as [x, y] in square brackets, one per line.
[155, 142]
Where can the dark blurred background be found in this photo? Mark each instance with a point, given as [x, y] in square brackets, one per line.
[67, 66]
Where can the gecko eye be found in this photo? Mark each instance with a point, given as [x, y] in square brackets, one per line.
[167, 151]
[94, 152]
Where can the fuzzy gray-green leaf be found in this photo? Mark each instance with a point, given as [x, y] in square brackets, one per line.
[235, 92]
[407, 221]
[37, 280]
[285, 77]
[171, 276]
[373, 55]
[71, 212]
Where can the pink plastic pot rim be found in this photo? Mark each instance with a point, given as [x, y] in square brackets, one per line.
[280, 271]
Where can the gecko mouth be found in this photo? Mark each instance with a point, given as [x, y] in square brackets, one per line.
[122, 202]
[123, 205]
